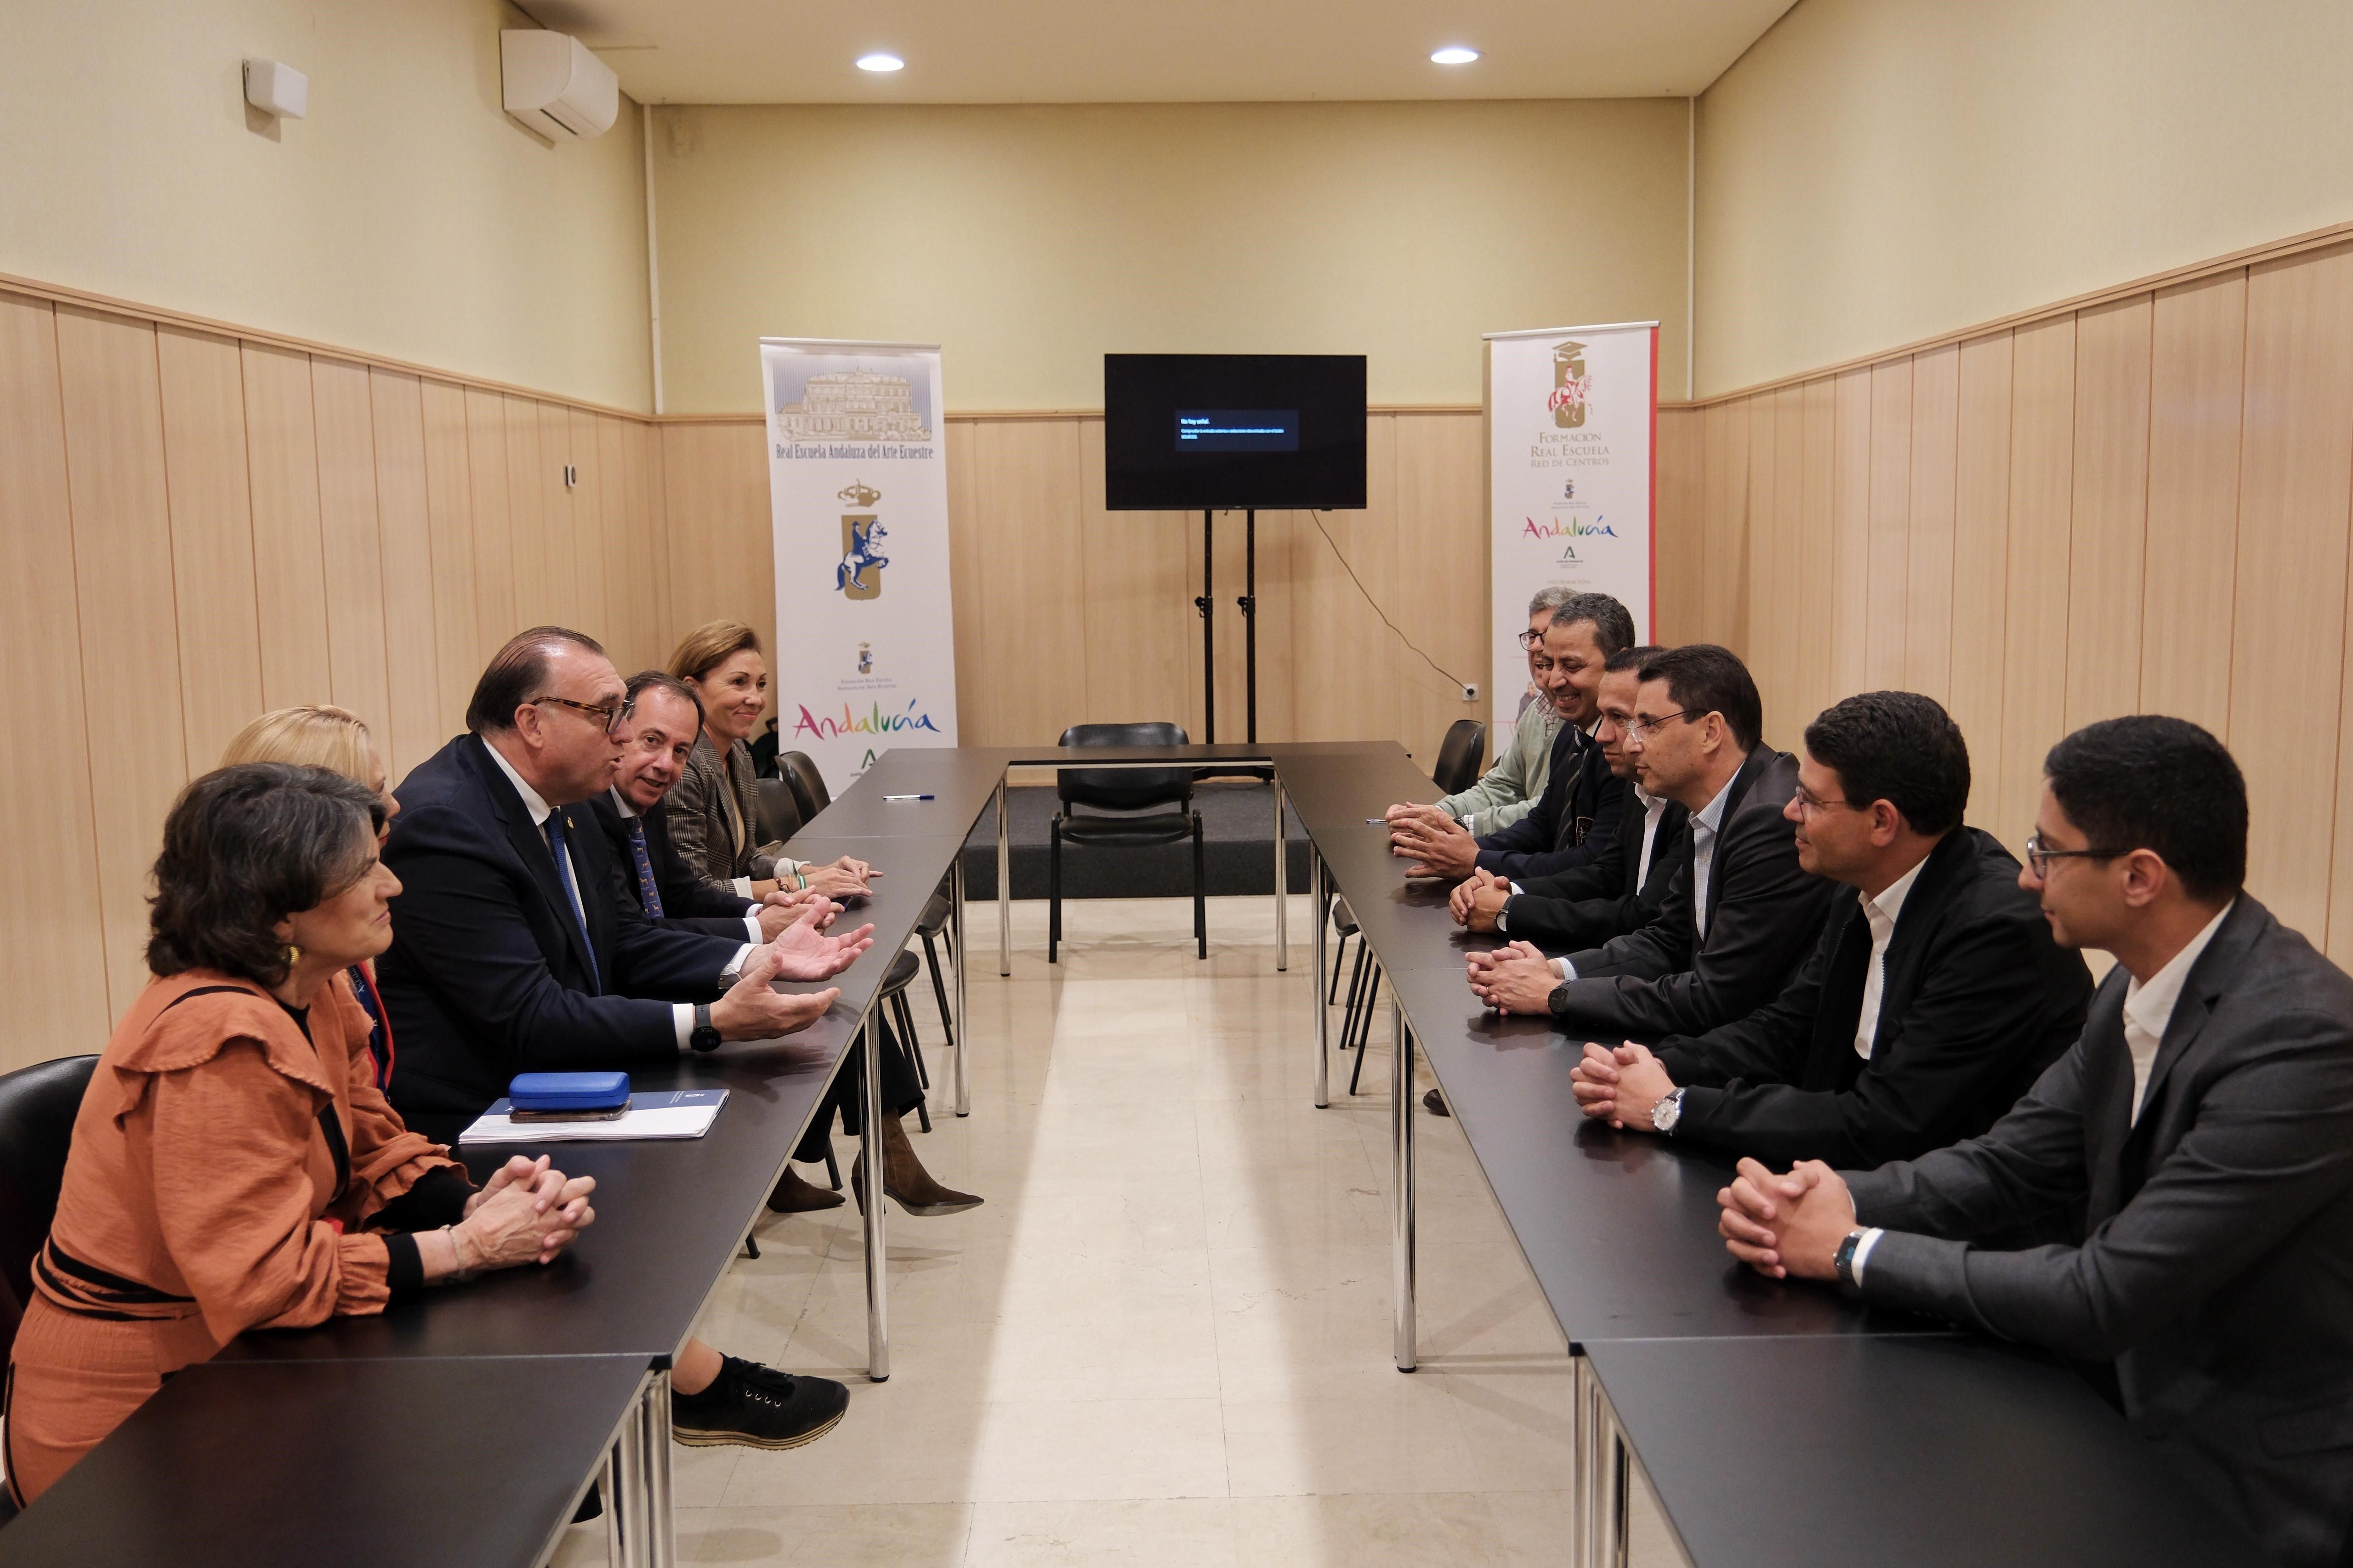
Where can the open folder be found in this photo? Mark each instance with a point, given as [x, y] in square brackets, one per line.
[664, 1113]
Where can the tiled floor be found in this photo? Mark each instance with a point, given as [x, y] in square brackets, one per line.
[1166, 1336]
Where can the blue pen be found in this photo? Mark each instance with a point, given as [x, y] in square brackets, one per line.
[909, 797]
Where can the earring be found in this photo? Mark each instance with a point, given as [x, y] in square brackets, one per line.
[290, 956]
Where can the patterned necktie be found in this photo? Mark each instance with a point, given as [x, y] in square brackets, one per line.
[649, 894]
[557, 842]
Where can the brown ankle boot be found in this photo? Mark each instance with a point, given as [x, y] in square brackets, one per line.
[794, 1195]
[905, 1180]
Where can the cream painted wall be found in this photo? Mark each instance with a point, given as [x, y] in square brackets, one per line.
[1030, 240]
[1873, 172]
[407, 217]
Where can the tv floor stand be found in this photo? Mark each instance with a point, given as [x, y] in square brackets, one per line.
[1249, 602]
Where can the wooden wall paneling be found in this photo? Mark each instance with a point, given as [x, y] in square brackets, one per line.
[497, 609]
[970, 611]
[2197, 364]
[1724, 598]
[1226, 620]
[543, 572]
[2034, 640]
[559, 510]
[1980, 567]
[130, 639]
[289, 571]
[352, 540]
[416, 722]
[1891, 514]
[2287, 642]
[1032, 678]
[53, 968]
[590, 546]
[1817, 548]
[722, 559]
[459, 652]
[2110, 510]
[1343, 654]
[1850, 530]
[649, 498]
[1760, 612]
[1278, 604]
[628, 537]
[1928, 553]
[203, 392]
[1134, 607]
[1787, 626]
[1438, 596]
[1678, 527]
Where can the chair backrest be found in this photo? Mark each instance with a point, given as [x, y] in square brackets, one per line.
[38, 1105]
[808, 784]
[1459, 756]
[1124, 789]
[780, 813]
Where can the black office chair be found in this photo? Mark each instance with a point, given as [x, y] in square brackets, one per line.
[1459, 755]
[1128, 790]
[800, 770]
[38, 1105]
[780, 813]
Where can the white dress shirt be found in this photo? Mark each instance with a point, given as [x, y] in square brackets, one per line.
[1880, 914]
[1655, 806]
[2149, 1008]
[681, 1013]
[751, 922]
[1704, 825]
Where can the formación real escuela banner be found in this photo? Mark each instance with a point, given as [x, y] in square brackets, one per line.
[858, 486]
[1572, 419]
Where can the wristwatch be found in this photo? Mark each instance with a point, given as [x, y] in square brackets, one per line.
[1843, 1261]
[706, 1036]
[1667, 1111]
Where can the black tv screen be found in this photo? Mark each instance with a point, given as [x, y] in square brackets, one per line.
[1191, 432]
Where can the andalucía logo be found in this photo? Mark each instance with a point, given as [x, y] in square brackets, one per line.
[1568, 528]
[873, 721]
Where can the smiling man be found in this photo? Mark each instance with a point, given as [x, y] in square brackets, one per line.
[1934, 997]
[2198, 1137]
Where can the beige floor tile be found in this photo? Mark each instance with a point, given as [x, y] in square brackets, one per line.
[1104, 1448]
[1356, 1530]
[916, 1535]
[1130, 1532]
[1374, 1431]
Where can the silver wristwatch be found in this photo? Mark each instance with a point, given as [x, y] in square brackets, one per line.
[1667, 1111]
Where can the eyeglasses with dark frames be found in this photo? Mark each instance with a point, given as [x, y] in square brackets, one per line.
[2039, 859]
[611, 715]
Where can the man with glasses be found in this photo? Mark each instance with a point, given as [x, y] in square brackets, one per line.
[1741, 912]
[1932, 1002]
[1512, 787]
[2198, 1138]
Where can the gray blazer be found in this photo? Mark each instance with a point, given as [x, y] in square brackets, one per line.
[713, 812]
[2217, 1269]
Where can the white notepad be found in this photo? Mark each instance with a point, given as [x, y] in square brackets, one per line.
[664, 1113]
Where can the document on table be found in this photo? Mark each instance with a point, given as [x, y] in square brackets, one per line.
[665, 1113]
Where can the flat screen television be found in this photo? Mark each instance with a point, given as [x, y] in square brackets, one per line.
[1194, 432]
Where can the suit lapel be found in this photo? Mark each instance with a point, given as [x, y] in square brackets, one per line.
[1839, 1009]
[2107, 1102]
[2200, 989]
[1755, 762]
[529, 845]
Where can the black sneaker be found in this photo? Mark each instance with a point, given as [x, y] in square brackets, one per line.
[758, 1407]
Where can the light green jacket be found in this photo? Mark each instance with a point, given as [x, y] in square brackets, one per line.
[1512, 787]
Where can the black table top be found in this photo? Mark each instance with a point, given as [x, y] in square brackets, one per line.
[961, 781]
[1898, 1453]
[361, 1464]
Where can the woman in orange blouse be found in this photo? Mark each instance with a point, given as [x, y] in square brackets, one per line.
[233, 1164]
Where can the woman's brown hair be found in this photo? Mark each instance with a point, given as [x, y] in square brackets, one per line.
[711, 644]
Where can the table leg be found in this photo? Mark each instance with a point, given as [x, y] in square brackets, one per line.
[1317, 877]
[628, 1494]
[963, 1012]
[1603, 1485]
[662, 1526]
[1004, 887]
[608, 1489]
[1282, 886]
[878, 1302]
[1401, 1181]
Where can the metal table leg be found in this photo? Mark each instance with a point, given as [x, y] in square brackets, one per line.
[963, 1013]
[1603, 1485]
[1004, 887]
[878, 1300]
[627, 1464]
[1317, 892]
[1401, 1179]
[608, 1489]
[662, 1526]
[1282, 886]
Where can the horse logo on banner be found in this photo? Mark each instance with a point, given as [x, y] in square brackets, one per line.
[859, 574]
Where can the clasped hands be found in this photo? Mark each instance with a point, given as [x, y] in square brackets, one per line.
[1436, 844]
[1478, 899]
[1787, 1225]
[1620, 1086]
[1514, 979]
[527, 1212]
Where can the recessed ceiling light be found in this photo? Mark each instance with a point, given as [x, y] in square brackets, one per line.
[880, 63]
[1453, 55]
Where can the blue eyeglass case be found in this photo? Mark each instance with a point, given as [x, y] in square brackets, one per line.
[542, 1091]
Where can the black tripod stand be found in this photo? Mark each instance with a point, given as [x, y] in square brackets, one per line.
[1249, 602]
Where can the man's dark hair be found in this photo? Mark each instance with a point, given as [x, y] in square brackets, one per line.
[2149, 782]
[1899, 747]
[244, 847]
[647, 680]
[517, 673]
[1626, 658]
[1703, 679]
[1612, 623]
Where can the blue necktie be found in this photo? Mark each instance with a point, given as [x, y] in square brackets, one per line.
[648, 893]
[557, 842]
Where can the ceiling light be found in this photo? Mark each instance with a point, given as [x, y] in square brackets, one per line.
[1453, 55]
[880, 63]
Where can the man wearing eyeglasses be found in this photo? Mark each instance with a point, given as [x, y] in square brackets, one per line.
[1933, 1000]
[1512, 787]
[2198, 1137]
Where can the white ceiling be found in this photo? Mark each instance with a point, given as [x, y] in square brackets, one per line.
[1169, 51]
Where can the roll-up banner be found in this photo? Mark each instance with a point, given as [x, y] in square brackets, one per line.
[858, 489]
[1572, 421]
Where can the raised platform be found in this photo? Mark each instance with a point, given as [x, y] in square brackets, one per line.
[1238, 851]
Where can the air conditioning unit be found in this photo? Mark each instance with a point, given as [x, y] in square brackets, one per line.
[556, 86]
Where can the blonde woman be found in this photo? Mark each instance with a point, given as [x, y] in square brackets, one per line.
[714, 811]
[320, 735]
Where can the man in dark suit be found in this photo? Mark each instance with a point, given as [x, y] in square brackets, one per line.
[2198, 1137]
[1612, 894]
[1577, 815]
[1932, 1001]
[1740, 914]
[513, 954]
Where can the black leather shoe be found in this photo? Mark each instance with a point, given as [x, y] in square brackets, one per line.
[758, 1407]
[1435, 1103]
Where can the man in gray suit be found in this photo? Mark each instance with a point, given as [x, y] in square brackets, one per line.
[2198, 1137]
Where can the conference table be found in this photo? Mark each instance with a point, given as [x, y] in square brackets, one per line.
[559, 1376]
